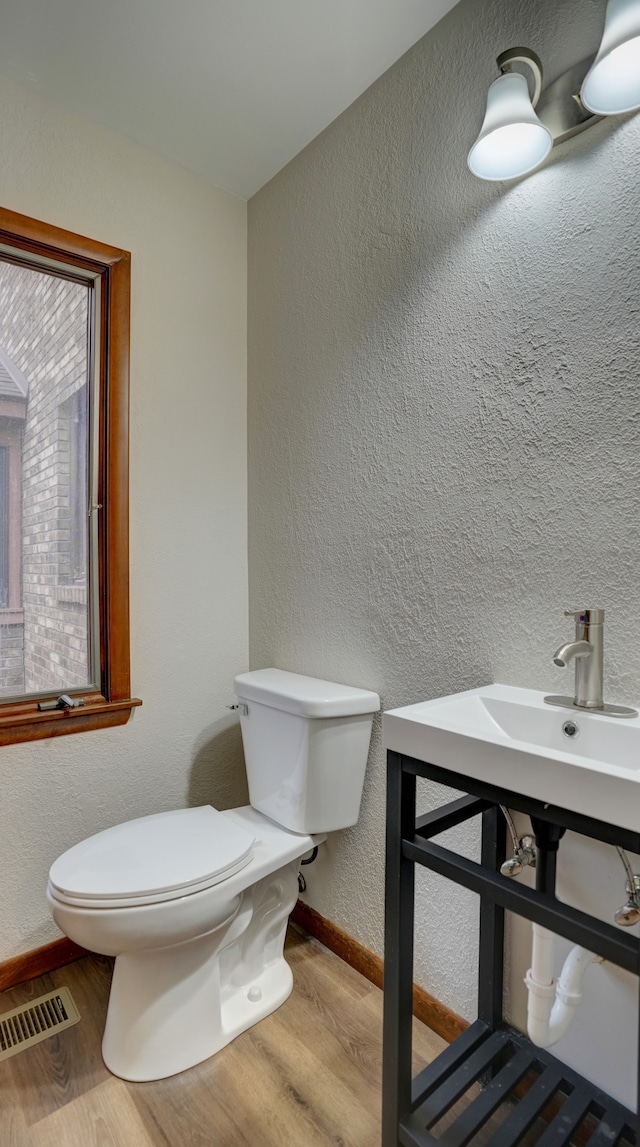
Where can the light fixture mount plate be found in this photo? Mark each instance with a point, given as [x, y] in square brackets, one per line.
[560, 108]
[531, 59]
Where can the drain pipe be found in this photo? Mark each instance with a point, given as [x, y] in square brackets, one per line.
[552, 1006]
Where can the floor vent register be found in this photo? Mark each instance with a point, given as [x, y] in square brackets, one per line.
[33, 1022]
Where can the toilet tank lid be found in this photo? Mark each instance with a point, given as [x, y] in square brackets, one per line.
[305, 696]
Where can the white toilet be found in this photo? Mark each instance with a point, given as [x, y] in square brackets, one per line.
[194, 903]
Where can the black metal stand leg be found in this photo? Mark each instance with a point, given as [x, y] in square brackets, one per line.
[637, 1128]
[398, 961]
[491, 956]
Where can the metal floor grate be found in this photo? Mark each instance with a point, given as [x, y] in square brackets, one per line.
[33, 1022]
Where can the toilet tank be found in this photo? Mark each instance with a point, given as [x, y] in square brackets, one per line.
[306, 743]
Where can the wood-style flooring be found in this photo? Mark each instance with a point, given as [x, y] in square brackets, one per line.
[308, 1075]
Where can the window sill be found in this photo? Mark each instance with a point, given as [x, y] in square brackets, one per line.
[22, 722]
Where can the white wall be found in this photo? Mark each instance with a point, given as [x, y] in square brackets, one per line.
[443, 441]
[188, 498]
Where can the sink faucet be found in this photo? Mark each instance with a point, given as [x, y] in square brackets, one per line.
[586, 651]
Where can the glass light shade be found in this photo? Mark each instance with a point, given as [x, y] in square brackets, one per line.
[512, 139]
[612, 84]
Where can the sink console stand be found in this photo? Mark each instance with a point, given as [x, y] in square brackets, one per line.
[489, 1052]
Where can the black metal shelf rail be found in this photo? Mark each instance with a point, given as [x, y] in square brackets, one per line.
[489, 1053]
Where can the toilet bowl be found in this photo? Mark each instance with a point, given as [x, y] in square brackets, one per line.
[194, 903]
[199, 967]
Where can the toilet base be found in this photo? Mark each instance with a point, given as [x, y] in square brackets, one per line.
[171, 1008]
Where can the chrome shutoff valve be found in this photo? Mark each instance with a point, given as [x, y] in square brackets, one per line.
[629, 913]
[524, 855]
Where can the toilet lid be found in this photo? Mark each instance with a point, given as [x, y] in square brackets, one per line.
[164, 853]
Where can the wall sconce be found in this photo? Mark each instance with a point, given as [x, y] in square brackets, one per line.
[519, 130]
[612, 84]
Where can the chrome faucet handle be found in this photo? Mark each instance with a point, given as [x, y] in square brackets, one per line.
[588, 616]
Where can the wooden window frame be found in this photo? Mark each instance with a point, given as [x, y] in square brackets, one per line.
[112, 703]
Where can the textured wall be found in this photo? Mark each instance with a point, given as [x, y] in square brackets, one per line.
[188, 498]
[443, 438]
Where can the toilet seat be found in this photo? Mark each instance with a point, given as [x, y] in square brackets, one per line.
[152, 859]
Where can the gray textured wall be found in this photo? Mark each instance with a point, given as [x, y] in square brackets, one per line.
[443, 436]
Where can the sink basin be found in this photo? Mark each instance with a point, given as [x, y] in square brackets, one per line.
[509, 737]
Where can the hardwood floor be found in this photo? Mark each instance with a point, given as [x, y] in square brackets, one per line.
[309, 1075]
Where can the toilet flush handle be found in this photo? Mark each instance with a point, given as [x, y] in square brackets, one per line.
[242, 708]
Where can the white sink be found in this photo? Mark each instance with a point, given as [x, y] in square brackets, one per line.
[509, 737]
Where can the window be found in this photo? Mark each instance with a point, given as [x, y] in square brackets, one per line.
[64, 603]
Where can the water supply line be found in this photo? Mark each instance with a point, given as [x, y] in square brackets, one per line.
[552, 1006]
[524, 850]
[629, 913]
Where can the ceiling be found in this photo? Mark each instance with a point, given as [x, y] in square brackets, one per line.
[231, 89]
